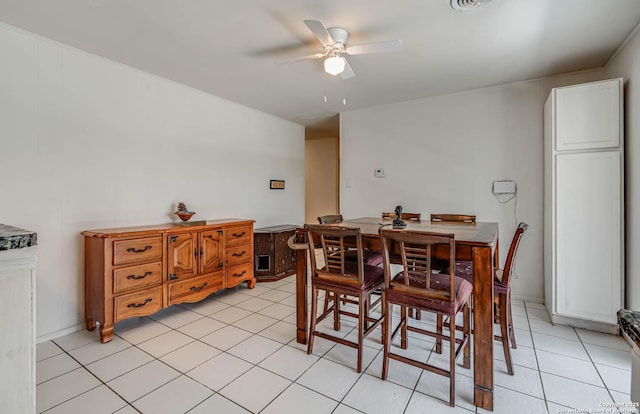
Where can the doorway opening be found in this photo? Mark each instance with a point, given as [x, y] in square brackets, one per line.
[322, 170]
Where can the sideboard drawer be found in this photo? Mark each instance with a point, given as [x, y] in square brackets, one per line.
[138, 304]
[238, 235]
[239, 273]
[239, 254]
[137, 250]
[136, 277]
[195, 289]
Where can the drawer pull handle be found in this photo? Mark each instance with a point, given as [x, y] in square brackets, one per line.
[239, 254]
[134, 277]
[134, 250]
[236, 235]
[172, 276]
[220, 265]
[244, 272]
[198, 288]
[139, 305]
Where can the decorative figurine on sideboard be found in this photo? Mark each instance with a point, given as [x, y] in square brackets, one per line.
[183, 212]
[397, 222]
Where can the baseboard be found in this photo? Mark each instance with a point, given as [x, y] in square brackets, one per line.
[59, 333]
[585, 324]
[527, 298]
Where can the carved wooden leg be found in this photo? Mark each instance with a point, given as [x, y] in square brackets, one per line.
[251, 283]
[106, 333]
[91, 324]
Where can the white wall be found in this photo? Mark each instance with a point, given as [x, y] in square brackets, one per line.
[87, 143]
[321, 174]
[627, 66]
[441, 155]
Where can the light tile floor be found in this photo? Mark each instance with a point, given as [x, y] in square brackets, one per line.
[235, 352]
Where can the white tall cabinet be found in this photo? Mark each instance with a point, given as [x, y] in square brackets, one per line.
[18, 249]
[584, 216]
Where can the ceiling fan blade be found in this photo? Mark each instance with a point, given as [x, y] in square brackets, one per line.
[348, 72]
[376, 47]
[319, 31]
[298, 59]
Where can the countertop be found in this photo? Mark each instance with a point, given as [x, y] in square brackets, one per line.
[12, 238]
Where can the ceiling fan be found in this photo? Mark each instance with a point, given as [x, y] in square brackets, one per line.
[334, 40]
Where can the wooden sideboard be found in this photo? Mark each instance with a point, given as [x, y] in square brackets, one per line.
[137, 271]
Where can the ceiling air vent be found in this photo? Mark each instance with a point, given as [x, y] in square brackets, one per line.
[467, 5]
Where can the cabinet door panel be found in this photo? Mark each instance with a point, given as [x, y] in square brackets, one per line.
[211, 250]
[588, 235]
[588, 116]
[182, 255]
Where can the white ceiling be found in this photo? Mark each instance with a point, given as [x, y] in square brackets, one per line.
[231, 48]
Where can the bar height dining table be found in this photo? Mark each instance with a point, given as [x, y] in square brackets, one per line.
[476, 242]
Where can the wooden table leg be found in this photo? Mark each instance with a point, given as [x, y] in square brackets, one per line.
[483, 327]
[301, 291]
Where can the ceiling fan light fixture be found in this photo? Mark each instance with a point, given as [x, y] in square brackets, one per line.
[334, 65]
[468, 5]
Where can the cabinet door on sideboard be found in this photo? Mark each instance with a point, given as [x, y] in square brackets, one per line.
[182, 257]
[211, 250]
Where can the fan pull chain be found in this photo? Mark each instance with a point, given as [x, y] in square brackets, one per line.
[324, 83]
[344, 92]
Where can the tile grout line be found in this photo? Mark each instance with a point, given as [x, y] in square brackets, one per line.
[596, 368]
[535, 354]
[95, 376]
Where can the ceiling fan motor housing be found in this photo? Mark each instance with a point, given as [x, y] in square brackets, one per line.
[339, 36]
